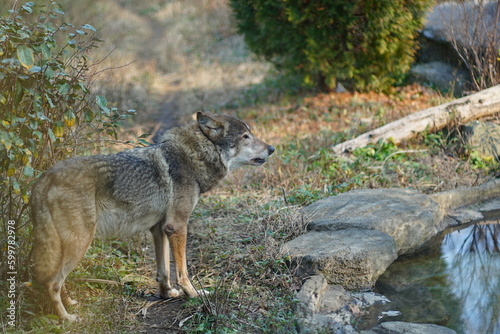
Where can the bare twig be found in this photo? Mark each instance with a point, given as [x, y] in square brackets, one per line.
[98, 280]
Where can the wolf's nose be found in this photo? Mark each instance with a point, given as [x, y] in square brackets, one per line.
[271, 150]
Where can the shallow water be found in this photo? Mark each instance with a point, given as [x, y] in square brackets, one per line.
[473, 275]
[455, 284]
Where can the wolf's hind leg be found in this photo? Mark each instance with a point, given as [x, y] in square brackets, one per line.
[162, 255]
[54, 288]
[57, 251]
[74, 250]
[66, 299]
[48, 257]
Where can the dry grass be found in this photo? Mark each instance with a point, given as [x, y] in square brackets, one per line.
[182, 50]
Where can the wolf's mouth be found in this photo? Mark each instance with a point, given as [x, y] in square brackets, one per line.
[259, 161]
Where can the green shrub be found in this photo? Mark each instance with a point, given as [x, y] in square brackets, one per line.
[365, 44]
[47, 111]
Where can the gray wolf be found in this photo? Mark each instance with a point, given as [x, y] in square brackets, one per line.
[152, 188]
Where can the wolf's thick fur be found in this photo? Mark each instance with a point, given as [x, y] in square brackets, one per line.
[153, 188]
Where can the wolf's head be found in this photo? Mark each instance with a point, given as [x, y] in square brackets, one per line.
[239, 147]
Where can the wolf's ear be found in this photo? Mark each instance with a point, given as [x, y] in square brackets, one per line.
[211, 127]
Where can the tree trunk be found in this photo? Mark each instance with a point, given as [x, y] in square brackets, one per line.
[460, 111]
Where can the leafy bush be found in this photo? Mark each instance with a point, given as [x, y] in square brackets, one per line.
[48, 112]
[365, 44]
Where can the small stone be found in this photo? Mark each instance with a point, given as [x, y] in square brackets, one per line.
[370, 298]
[310, 295]
[334, 298]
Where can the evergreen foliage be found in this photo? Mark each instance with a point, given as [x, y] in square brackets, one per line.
[365, 44]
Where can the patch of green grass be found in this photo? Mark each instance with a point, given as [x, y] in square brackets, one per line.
[480, 162]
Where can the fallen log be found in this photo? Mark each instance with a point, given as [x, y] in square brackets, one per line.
[460, 111]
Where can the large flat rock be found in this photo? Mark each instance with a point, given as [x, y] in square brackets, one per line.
[408, 216]
[353, 258]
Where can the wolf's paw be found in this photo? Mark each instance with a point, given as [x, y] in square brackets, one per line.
[69, 302]
[71, 318]
[174, 293]
[170, 293]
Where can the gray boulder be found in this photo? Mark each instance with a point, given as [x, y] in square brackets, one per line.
[441, 74]
[352, 257]
[411, 218]
[356, 235]
[470, 24]
[460, 33]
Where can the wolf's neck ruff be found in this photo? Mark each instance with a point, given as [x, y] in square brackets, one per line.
[195, 157]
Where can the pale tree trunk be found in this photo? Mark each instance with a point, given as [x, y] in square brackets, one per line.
[460, 111]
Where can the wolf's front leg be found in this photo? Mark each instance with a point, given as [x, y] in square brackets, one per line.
[162, 255]
[178, 238]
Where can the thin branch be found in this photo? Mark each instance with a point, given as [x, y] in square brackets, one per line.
[98, 280]
[97, 63]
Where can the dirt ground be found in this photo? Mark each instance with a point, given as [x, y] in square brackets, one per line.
[162, 315]
[159, 315]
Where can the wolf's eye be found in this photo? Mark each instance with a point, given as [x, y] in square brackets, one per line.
[245, 136]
